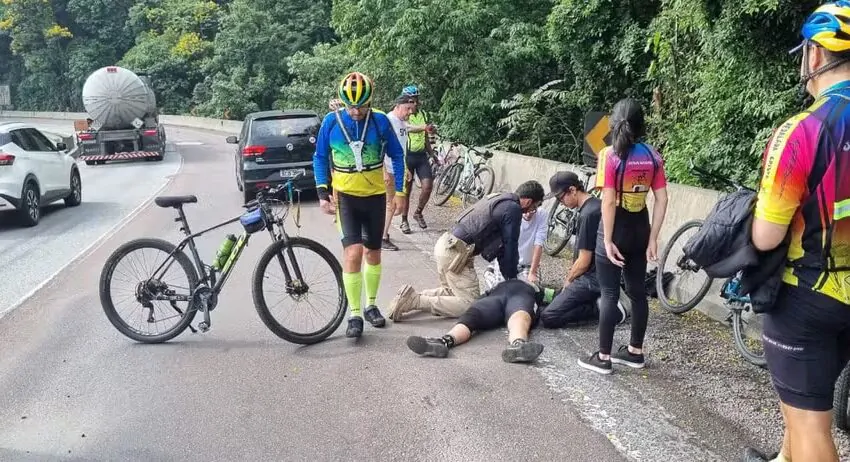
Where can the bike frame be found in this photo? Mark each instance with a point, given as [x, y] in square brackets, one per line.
[209, 277]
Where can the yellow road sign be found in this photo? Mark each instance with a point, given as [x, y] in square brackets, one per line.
[597, 135]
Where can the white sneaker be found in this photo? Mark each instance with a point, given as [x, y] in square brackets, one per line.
[624, 313]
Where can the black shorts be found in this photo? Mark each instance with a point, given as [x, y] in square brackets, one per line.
[494, 309]
[360, 220]
[806, 343]
[417, 163]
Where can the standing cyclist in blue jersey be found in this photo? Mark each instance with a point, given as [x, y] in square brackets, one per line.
[351, 144]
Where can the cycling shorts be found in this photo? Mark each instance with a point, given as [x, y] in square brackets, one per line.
[418, 164]
[494, 309]
[806, 343]
[360, 219]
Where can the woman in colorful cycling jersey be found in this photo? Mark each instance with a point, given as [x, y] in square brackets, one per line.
[627, 171]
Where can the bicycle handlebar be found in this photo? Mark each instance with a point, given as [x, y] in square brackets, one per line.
[485, 154]
[272, 191]
[706, 174]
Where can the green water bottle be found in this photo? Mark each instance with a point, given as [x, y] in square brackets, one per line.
[224, 252]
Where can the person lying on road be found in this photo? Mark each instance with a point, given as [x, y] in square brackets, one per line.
[511, 303]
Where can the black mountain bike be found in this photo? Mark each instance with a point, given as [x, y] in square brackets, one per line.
[563, 222]
[200, 284]
[687, 296]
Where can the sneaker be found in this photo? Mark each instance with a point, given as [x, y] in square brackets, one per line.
[521, 351]
[428, 346]
[387, 244]
[420, 220]
[624, 304]
[355, 327]
[623, 313]
[374, 316]
[403, 302]
[625, 357]
[752, 455]
[595, 364]
[621, 307]
[405, 227]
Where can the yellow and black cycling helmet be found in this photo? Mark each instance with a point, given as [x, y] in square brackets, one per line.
[355, 90]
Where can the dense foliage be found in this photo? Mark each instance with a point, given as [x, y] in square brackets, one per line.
[714, 75]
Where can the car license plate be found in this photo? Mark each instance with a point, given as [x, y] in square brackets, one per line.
[291, 173]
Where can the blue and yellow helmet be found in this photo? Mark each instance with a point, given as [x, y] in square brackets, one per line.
[828, 27]
[355, 90]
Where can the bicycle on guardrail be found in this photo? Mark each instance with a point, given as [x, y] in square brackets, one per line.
[563, 222]
[472, 178]
[201, 284]
[739, 305]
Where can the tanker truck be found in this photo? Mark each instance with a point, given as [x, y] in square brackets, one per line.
[123, 122]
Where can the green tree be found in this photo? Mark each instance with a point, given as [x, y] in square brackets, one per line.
[174, 44]
[257, 37]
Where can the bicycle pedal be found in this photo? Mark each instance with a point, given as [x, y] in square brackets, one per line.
[204, 327]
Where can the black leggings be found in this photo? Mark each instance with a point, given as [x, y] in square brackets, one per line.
[631, 236]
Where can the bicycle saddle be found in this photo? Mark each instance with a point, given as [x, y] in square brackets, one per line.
[174, 201]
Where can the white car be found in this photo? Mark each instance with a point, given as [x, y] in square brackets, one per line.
[34, 172]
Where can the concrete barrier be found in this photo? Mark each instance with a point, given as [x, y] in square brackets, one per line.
[228, 126]
[686, 202]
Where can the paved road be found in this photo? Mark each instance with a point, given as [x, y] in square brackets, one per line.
[72, 388]
[29, 257]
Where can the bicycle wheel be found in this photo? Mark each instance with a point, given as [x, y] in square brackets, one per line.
[560, 219]
[146, 287]
[744, 344]
[479, 187]
[331, 270]
[445, 184]
[685, 268]
[840, 400]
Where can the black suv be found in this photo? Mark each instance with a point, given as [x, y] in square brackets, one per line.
[275, 146]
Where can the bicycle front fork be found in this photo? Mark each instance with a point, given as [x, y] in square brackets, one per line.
[296, 286]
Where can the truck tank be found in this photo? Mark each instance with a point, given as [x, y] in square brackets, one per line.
[114, 96]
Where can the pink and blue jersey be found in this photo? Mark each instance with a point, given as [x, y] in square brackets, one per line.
[642, 171]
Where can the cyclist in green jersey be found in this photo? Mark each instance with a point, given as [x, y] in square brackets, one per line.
[418, 150]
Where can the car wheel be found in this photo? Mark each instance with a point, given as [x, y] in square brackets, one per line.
[30, 209]
[76, 197]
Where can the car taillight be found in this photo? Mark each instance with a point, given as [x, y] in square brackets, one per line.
[253, 150]
[150, 133]
[6, 159]
[85, 136]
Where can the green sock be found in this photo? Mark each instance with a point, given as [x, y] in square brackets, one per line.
[548, 295]
[372, 275]
[353, 283]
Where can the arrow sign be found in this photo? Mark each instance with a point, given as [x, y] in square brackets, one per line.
[597, 135]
